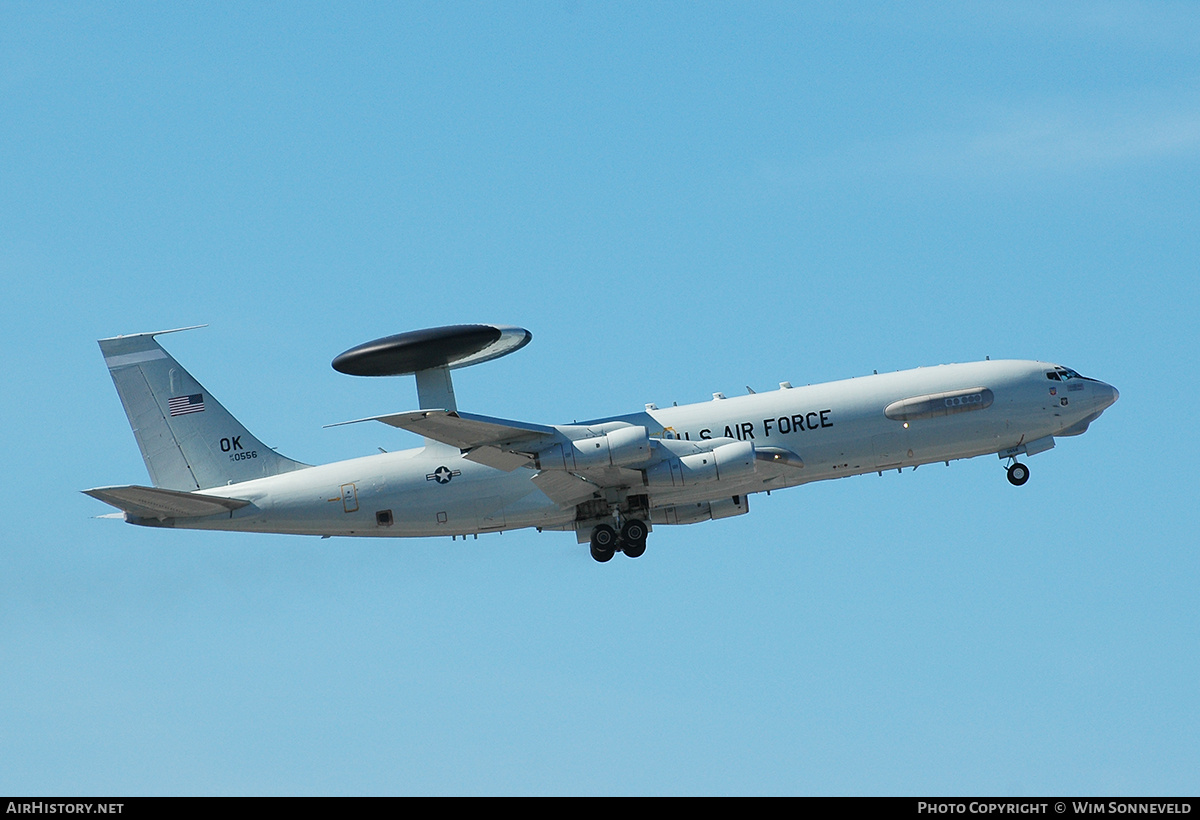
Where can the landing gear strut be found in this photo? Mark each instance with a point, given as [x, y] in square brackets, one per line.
[1018, 474]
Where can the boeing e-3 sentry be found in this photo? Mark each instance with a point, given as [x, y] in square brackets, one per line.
[609, 480]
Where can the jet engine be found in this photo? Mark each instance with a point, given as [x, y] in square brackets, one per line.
[619, 448]
[701, 511]
[722, 463]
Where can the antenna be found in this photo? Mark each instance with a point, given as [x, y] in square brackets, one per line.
[430, 355]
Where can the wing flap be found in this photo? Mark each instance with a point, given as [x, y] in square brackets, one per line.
[154, 502]
[505, 460]
[565, 489]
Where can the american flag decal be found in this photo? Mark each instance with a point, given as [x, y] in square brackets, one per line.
[182, 405]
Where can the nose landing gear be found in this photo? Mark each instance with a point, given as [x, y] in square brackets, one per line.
[1018, 474]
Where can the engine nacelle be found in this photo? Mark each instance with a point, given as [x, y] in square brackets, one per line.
[622, 447]
[701, 511]
[724, 463]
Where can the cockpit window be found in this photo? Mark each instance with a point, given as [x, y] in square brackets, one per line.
[1065, 374]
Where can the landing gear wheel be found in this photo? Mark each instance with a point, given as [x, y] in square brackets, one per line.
[1018, 474]
[633, 536]
[604, 542]
[601, 555]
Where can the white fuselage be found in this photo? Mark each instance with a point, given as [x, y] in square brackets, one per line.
[837, 429]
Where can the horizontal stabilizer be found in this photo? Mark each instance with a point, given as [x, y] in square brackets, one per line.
[151, 502]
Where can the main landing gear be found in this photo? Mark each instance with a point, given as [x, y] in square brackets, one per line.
[606, 542]
[1018, 474]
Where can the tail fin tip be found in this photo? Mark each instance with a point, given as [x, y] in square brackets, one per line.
[151, 334]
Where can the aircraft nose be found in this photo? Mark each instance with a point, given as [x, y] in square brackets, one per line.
[1108, 395]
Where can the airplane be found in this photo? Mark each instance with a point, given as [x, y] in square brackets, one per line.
[608, 480]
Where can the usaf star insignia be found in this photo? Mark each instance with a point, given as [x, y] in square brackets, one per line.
[442, 475]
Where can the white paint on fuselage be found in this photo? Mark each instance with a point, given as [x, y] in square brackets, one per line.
[314, 501]
[844, 432]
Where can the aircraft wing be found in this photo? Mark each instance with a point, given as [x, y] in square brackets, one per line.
[778, 456]
[499, 443]
[508, 445]
[565, 489]
[154, 502]
[777, 466]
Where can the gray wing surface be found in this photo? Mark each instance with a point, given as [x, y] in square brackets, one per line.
[499, 443]
[507, 445]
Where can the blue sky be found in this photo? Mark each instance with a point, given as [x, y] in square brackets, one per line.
[676, 199]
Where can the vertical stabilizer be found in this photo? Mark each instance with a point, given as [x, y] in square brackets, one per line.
[188, 440]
